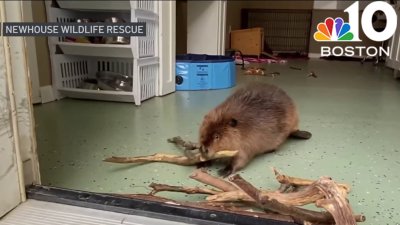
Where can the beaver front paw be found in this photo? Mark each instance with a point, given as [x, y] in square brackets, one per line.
[225, 172]
[205, 164]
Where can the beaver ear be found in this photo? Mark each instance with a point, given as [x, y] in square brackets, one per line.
[233, 122]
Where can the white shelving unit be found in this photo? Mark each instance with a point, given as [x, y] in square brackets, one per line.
[74, 62]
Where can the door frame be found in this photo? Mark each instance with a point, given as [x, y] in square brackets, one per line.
[31, 54]
[18, 102]
[19, 71]
[167, 47]
[393, 60]
[14, 172]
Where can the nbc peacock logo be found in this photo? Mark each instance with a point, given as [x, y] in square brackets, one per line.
[333, 30]
[336, 30]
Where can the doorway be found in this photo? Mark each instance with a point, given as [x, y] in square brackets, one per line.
[348, 105]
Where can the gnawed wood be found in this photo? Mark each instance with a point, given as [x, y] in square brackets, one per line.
[298, 214]
[295, 181]
[205, 178]
[230, 196]
[335, 202]
[239, 196]
[187, 145]
[188, 190]
[168, 158]
[306, 196]
[284, 203]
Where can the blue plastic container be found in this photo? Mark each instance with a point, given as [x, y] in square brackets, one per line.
[204, 72]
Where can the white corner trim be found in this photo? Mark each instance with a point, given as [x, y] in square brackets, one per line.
[47, 94]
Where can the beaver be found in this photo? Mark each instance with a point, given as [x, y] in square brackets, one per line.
[256, 119]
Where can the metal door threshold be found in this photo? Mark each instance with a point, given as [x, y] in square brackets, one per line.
[34, 212]
[136, 209]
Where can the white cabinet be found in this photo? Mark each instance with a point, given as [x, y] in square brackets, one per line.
[393, 60]
[73, 62]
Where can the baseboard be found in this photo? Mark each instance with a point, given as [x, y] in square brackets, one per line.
[314, 55]
[36, 99]
[47, 94]
[318, 55]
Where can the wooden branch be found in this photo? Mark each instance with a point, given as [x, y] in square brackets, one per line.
[230, 196]
[238, 194]
[295, 181]
[205, 178]
[158, 157]
[335, 202]
[188, 190]
[286, 188]
[222, 207]
[168, 158]
[273, 205]
[305, 196]
[187, 145]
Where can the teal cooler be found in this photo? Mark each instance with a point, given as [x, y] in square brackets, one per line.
[204, 72]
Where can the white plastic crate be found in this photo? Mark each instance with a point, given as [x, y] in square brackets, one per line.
[139, 47]
[124, 5]
[79, 61]
[146, 46]
[70, 71]
[106, 50]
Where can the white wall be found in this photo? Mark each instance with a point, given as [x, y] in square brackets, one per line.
[325, 4]
[339, 4]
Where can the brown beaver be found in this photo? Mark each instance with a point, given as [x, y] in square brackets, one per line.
[255, 119]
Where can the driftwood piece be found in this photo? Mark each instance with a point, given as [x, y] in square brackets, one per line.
[312, 74]
[295, 68]
[298, 214]
[187, 145]
[240, 191]
[336, 207]
[158, 157]
[303, 197]
[335, 202]
[205, 178]
[168, 158]
[239, 196]
[188, 190]
[183, 160]
[295, 181]
[231, 193]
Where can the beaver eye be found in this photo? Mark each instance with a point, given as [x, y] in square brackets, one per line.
[233, 122]
[216, 136]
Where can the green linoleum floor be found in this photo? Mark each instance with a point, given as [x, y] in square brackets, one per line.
[351, 109]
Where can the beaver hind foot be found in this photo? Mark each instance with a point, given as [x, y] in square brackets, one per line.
[301, 134]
